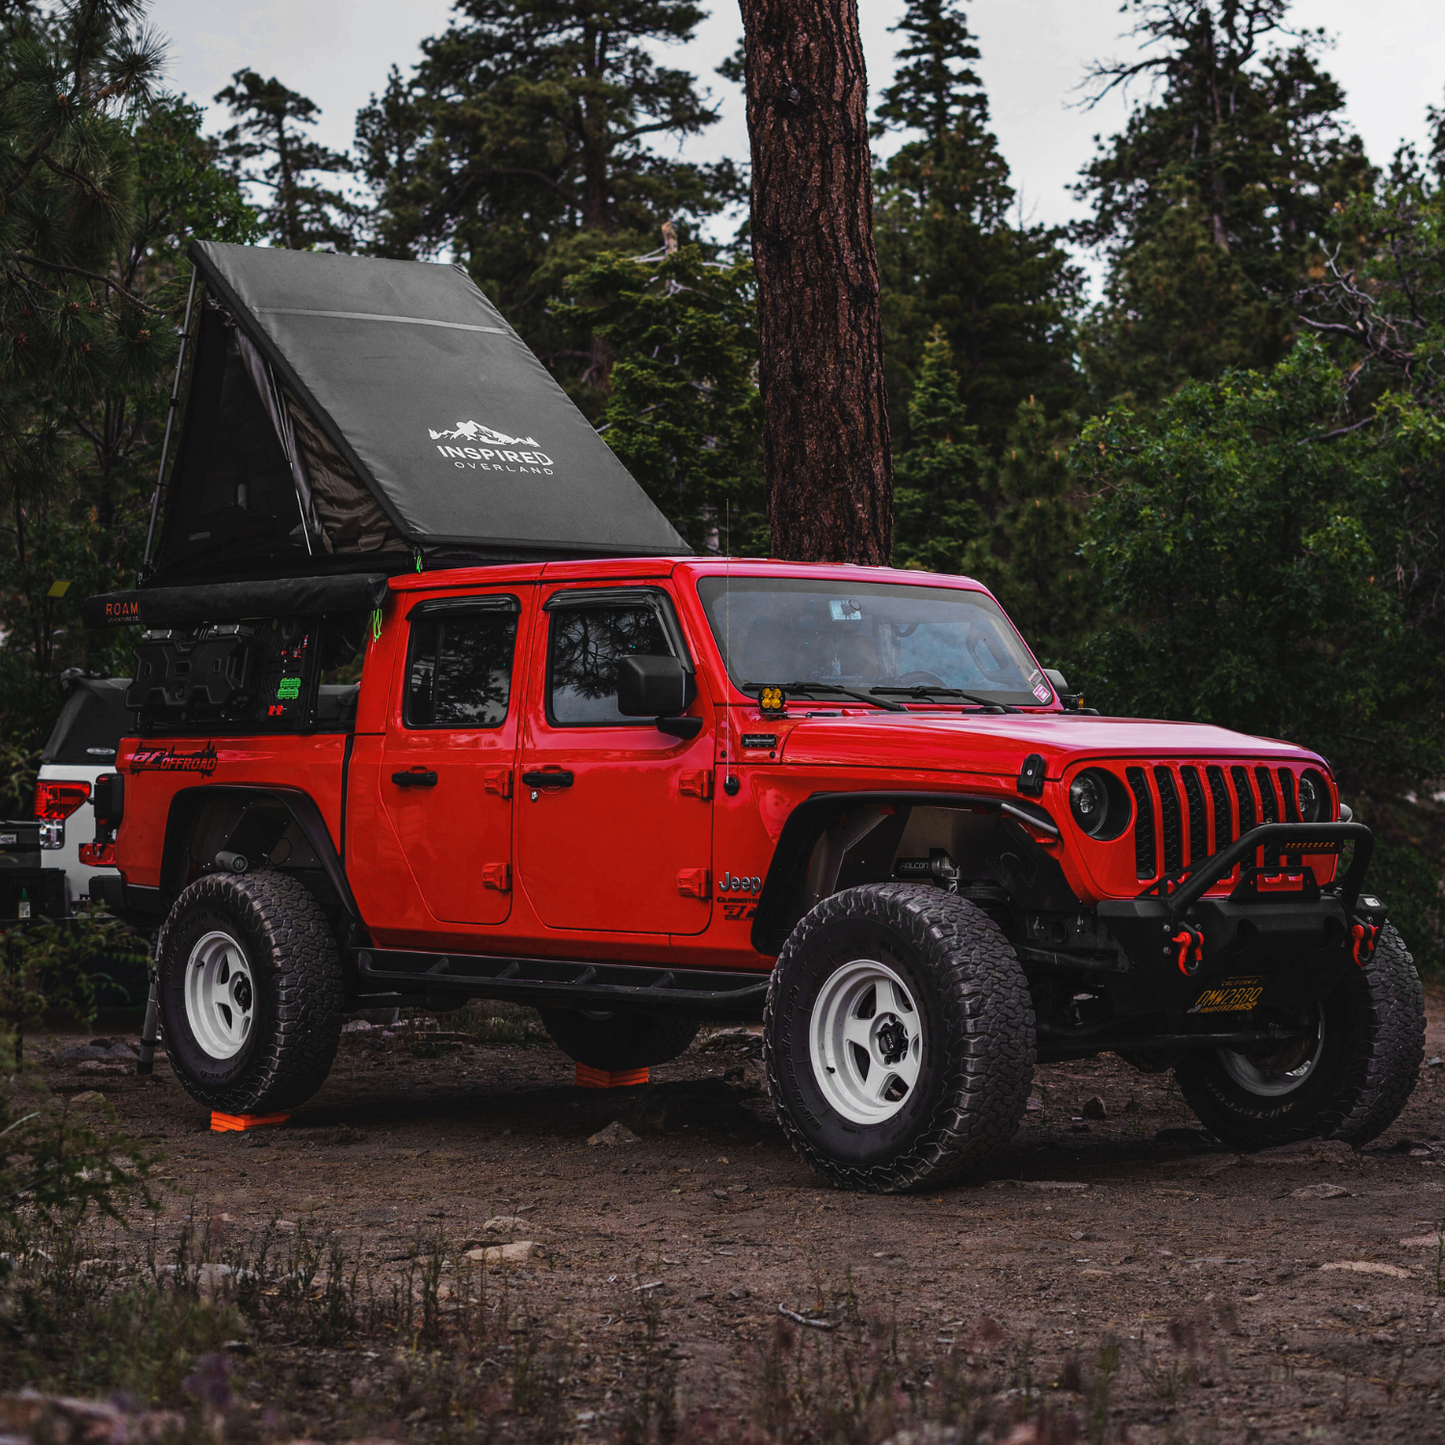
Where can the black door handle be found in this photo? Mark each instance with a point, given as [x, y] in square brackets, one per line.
[558, 779]
[417, 778]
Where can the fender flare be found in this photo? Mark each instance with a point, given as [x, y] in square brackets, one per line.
[787, 872]
[186, 806]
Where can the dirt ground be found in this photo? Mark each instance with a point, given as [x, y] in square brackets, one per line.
[1263, 1298]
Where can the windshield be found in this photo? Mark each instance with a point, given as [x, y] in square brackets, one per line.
[870, 635]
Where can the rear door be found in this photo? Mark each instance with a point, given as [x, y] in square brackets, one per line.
[447, 771]
[614, 816]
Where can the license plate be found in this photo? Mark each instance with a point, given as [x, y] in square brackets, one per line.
[1232, 996]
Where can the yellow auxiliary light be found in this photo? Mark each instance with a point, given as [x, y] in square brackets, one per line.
[771, 699]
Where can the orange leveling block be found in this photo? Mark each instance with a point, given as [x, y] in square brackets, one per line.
[235, 1123]
[590, 1078]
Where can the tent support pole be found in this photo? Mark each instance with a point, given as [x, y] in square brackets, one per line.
[145, 565]
[279, 402]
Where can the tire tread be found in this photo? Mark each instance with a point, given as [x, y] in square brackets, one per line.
[988, 1043]
[306, 975]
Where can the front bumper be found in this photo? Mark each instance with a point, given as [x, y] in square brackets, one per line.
[1188, 954]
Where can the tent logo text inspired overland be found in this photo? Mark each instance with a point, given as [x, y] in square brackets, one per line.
[492, 451]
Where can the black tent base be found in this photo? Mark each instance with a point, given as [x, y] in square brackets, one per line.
[237, 601]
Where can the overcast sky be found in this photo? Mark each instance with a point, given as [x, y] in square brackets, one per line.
[1389, 56]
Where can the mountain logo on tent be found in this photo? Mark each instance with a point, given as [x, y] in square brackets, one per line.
[474, 431]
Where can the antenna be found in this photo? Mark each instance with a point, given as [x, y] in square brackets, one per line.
[727, 639]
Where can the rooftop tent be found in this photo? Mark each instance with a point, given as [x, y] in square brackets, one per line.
[341, 412]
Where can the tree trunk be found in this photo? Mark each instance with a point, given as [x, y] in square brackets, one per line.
[825, 443]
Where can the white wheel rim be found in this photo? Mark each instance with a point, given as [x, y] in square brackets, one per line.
[220, 995]
[1271, 1082]
[866, 1042]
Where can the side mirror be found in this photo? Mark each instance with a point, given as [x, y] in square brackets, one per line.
[652, 686]
[1072, 701]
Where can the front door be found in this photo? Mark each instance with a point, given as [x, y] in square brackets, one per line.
[614, 821]
[447, 772]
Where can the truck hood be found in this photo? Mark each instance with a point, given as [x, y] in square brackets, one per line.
[996, 744]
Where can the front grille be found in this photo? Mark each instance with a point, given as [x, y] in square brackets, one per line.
[1144, 863]
[1169, 818]
[1185, 812]
[1291, 802]
[1198, 818]
[1247, 812]
[1223, 818]
[1268, 801]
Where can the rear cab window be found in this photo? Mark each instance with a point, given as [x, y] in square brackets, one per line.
[459, 662]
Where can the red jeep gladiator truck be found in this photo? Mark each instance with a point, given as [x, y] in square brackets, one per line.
[641, 792]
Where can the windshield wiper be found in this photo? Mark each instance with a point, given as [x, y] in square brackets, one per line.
[924, 694]
[833, 689]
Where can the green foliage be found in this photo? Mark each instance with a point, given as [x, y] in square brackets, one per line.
[47, 965]
[55, 1169]
[1241, 552]
[1003, 293]
[186, 191]
[939, 476]
[303, 212]
[92, 1328]
[684, 414]
[1212, 202]
[103, 181]
[1013, 523]
[1249, 547]
[1033, 556]
[523, 140]
[1405, 871]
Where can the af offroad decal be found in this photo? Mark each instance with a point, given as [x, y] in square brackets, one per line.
[1232, 996]
[491, 451]
[168, 760]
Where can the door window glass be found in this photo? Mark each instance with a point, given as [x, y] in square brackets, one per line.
[585, 644]
[459, 669]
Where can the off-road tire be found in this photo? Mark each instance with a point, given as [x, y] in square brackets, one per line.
[974, 1013]
[298, 991]
[618, 1042]
[1374, 1044]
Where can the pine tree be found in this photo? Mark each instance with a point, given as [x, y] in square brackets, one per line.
[939, 490]
[523, 142]
[684, 414]
[949, 252]
[302, 212]
[1012, 522]
[1212, 201]
[1034, 560]
[103, 180]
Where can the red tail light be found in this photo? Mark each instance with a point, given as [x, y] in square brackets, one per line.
[56, 801]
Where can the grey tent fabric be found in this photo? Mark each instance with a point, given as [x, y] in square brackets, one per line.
[407, 381]
[350, 518]
[265, 383]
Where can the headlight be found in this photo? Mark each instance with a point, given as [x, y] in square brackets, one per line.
[1089, 801]
[1314, 797]
[1100, 803]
